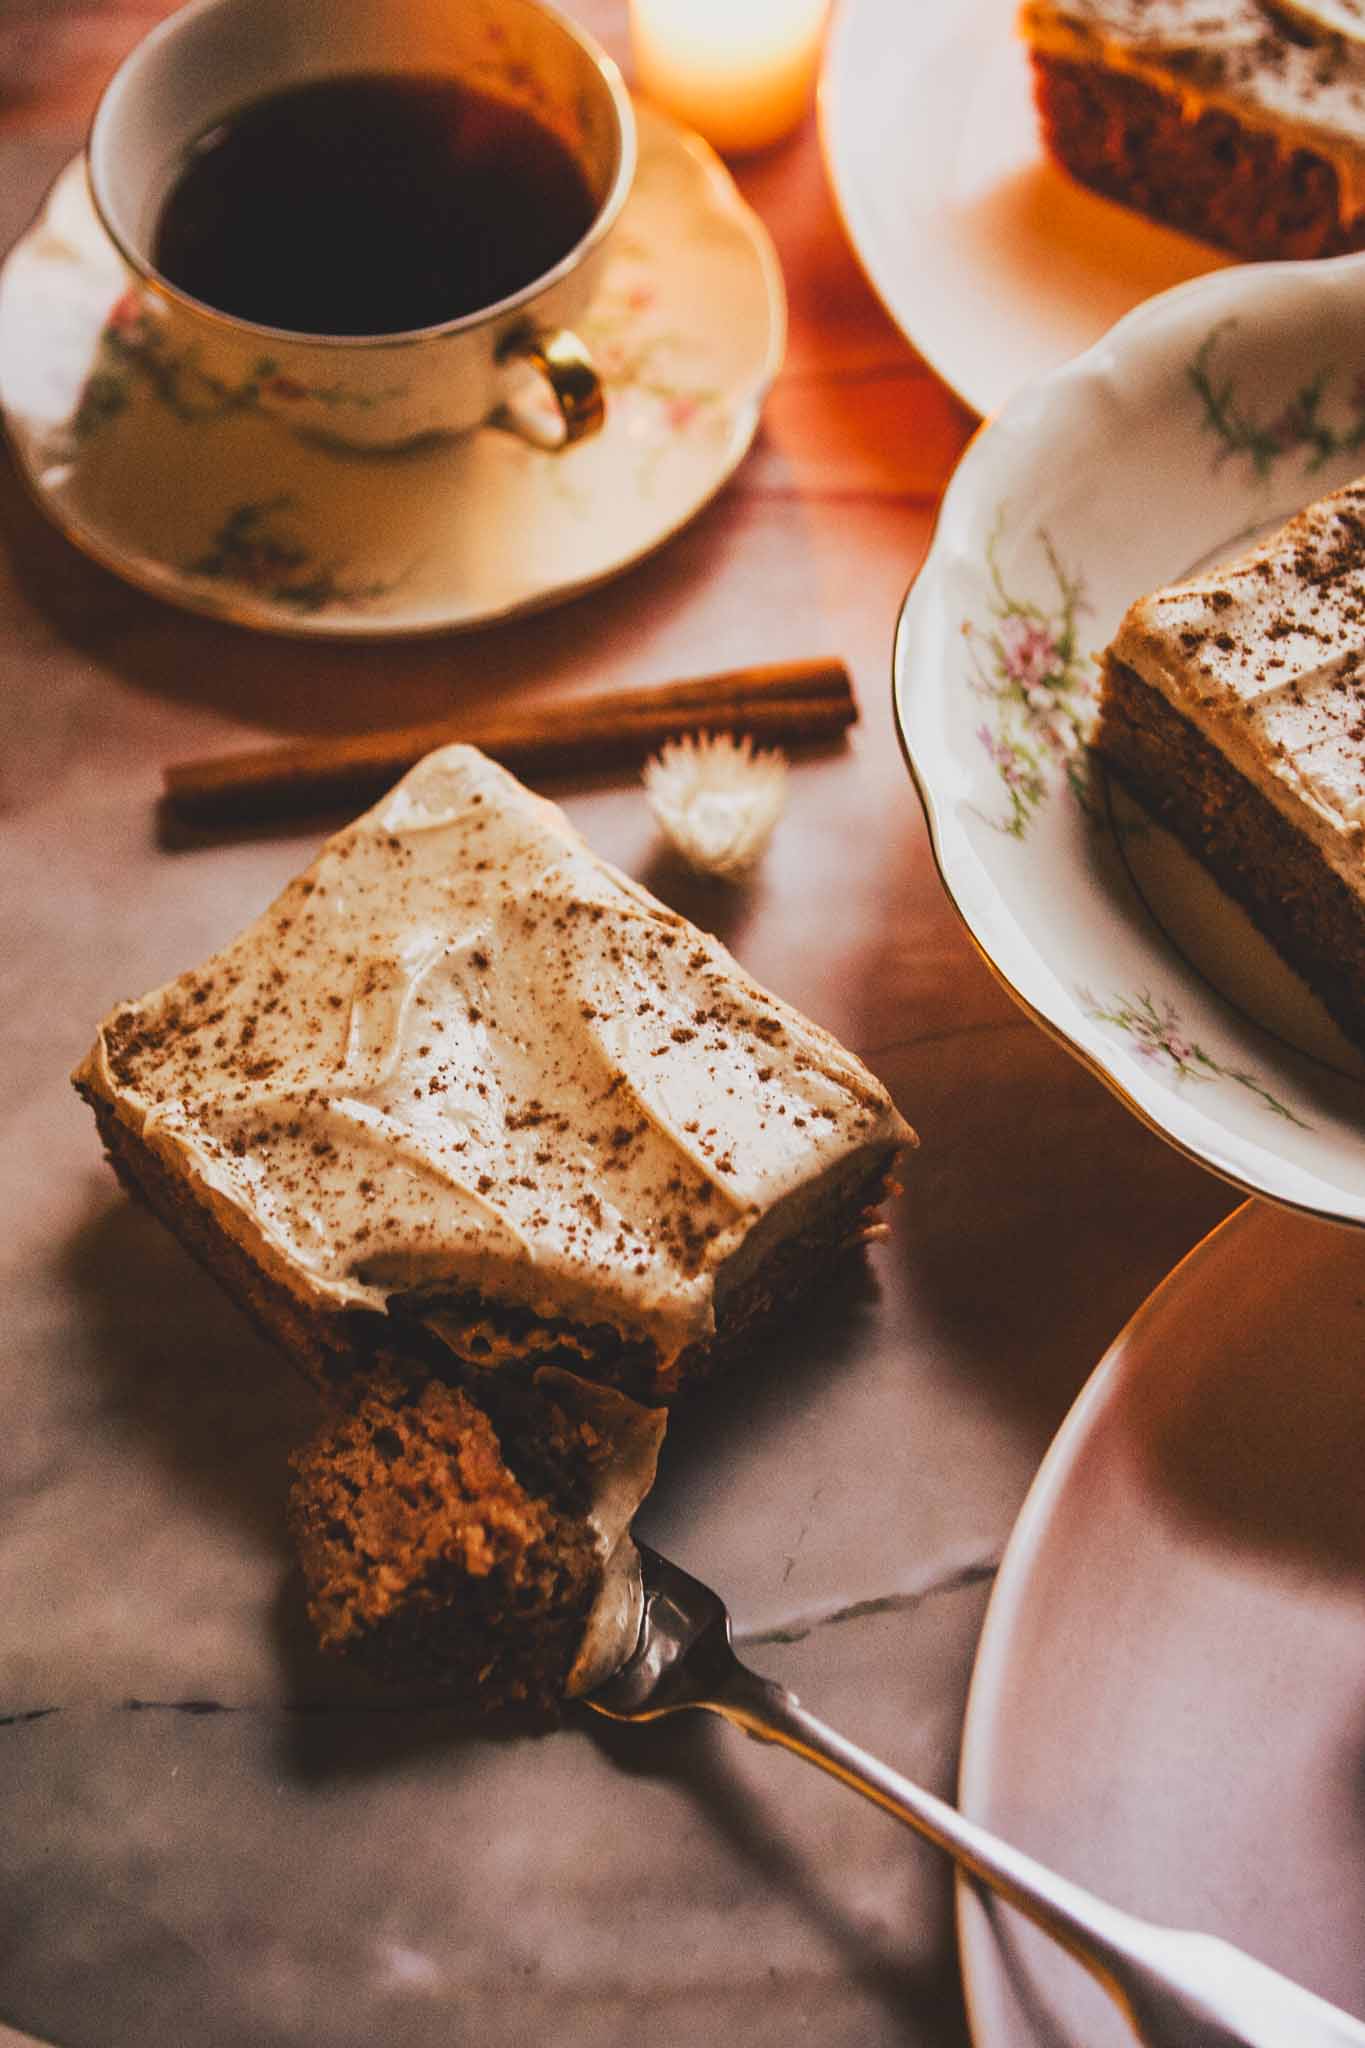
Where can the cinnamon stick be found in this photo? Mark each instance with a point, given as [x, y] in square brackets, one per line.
[792, 704]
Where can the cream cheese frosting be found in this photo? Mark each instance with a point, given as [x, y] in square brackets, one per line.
[1305, 87]
[1265, 656]
[463, 1051]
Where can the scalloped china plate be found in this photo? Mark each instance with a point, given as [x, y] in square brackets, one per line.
[195, 495]
[1168, 1703]
[1202, 420]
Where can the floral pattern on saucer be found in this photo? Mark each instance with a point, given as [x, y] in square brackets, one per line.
[235, 515]
[1092, 488]
[639, 359]
[256, 548]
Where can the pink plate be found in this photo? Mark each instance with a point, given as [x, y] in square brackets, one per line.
[1169, 1701]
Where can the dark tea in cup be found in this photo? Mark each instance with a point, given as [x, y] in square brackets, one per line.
[370, 204]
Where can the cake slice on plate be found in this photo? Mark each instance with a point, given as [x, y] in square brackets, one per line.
[1233, 707]
[1240, 121]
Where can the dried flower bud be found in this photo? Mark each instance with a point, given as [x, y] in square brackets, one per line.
[717, 800]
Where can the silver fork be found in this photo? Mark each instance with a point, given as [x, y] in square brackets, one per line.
[1178, 1990]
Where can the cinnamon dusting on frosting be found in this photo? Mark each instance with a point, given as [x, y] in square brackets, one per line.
[463, 1051]
[1266, 656]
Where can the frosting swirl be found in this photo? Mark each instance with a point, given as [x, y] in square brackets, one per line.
[1266, 656]
[461, 1050]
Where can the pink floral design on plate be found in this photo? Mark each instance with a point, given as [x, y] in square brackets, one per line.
[1300, 424]
[1028, 663]
[1156, 1033]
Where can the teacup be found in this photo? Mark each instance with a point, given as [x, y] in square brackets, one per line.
[203, 66]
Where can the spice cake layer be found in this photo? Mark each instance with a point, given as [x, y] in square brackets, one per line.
[1233, 705]
[466, 1076]
[484, 1552]
[1235, 120]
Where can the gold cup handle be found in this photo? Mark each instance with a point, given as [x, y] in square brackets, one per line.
[553, 359]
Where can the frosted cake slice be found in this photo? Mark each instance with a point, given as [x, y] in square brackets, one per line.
[1233, 707]
[1241, 121]
[465, 1078]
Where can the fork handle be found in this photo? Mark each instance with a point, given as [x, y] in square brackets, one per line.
[1177, 1989]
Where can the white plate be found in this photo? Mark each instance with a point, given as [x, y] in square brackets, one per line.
[1169, 1698]
[1204, 417]
[195, 495]
[995, 266]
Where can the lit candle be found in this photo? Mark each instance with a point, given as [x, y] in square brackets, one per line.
[740, 71]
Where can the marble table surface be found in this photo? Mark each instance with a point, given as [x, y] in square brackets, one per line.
[208, 1837]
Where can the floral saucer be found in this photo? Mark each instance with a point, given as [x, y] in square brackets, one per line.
[194, 493]
[1202, 419]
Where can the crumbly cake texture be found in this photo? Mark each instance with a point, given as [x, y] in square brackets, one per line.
[483, 1555]
[465, 1078]
[1224, 118]
[1233, 706]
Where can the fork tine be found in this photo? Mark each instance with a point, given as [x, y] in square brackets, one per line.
[702, 1605]
[683, 1651]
